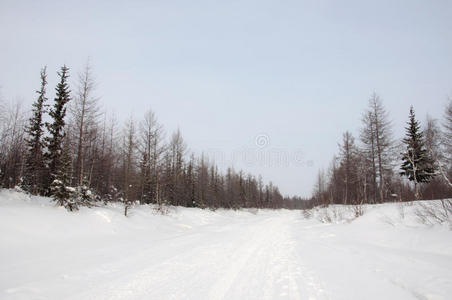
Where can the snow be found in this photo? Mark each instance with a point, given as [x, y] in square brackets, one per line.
[47, 252]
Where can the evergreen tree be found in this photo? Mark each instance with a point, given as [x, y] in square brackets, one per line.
[56, 128]
[61, 192]
[417, 164]
[34, 164]
[83, 195]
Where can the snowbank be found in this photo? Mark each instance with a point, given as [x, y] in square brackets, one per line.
[47, 252]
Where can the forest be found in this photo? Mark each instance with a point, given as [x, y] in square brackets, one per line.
[70, 149]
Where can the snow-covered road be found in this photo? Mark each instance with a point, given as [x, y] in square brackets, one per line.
[47, 253]
[253, 258]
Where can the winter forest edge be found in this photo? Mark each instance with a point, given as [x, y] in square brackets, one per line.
[68, 149]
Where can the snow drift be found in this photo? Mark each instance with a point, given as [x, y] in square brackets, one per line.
[47, 252]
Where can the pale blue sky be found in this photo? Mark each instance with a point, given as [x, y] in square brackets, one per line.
[227, 71]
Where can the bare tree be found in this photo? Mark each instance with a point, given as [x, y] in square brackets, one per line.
[348, 154]
[12, 146]
[447, 124]
[176, 154]
[151, 150]
[376, 135]
[436, 141]
[321, 188]
[85, 114]
[128, 162]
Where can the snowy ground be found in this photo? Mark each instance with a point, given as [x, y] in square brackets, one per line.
[48, 253]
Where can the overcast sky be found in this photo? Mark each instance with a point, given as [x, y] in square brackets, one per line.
[289, 75]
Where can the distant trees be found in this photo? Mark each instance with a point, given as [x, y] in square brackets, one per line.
[320, 189]
[362, 173]
[365, 173]
[12, 144]
[83, 159]
[87, 158]
[417, 163]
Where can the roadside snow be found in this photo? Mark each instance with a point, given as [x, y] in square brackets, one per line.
[49, 253]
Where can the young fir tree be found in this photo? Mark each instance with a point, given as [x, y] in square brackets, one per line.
[32, 180]
[83, 195]
[61, 192]
[56, 128]
[417, 164]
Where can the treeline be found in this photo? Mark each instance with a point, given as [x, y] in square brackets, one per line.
[71, 151]
[376, 167]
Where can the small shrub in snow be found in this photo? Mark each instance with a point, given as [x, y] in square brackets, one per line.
[19, 189]
[401, 209]
[306, 213]
[324, 215]
[339, 213]
[358, 210]
[161, 208]
[434, 212]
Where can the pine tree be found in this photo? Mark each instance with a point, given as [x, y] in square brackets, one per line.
[34, 164]
[56, 128]
[417, 164]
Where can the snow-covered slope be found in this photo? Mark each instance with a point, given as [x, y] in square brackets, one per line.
[49, 253]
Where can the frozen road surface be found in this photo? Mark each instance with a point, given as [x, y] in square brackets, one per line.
[48, 253]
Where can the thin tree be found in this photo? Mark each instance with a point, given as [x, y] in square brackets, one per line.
[176, 154]
[151, 150]
[34, 164]
[128, 158]
[447, 124]
[369, 149]
[377, 138]
[348, 163]
[85, 113]
[12, 145]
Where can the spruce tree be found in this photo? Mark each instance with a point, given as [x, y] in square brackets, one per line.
[417, 165]
[83, 195]
[32, 180]
[56, 128]
[61, 192]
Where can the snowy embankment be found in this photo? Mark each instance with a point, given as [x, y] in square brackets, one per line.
[49, 253]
